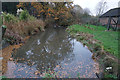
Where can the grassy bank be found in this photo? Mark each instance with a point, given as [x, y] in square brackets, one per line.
[109, 39]
[21, 26]
[103, 44]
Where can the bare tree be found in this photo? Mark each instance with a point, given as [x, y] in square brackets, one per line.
[87, 11]
[119, 4]
[78, 9]
[77, 12]
[101, 7]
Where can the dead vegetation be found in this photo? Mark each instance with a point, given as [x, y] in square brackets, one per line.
[21, 26]
[15, 32]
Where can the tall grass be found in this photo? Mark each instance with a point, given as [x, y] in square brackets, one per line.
[21, 26]
[25, 28]
[9, 18]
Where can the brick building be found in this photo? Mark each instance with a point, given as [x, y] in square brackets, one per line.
[111, 18]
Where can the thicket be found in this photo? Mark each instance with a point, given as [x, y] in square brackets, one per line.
[21, 26]
[57, 13]
[85, 19]
[83, 16]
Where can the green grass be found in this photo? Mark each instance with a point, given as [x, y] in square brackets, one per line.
[109, 39]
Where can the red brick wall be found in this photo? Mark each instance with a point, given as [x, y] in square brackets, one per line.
[104, 21]
[119, 25]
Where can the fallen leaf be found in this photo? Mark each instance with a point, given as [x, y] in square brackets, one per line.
[57, 66]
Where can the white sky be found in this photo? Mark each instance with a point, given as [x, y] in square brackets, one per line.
[91, 4]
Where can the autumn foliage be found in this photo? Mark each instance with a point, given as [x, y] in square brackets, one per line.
[57, 12]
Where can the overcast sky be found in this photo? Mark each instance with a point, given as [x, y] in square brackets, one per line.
[91, 4]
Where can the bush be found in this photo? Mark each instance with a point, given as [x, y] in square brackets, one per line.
[32, 18]
[24, 15]
[112, 77]
[65, 20]
[9, 18]
[24, 25]
[49, 21]
[94, 21]
[31, 26]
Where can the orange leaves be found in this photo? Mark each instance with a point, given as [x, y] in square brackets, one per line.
[38, 15]
[56, 18]
[49, 9]
[18, 6]
[57, 66]
[54, 10]
[65, 64]
[49, 14]
[37, 72]
[42, 10]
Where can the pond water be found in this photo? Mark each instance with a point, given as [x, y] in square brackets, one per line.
[53, 51]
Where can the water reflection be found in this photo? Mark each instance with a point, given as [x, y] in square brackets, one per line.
[46, 50]
[53, 49]
[38, 41]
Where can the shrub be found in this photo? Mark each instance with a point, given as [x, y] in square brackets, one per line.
[65, 22]
[114, 77]
[10, 18]
[33, 25]
[94, 21]
[22, 26]
[66, 19]
[49, 21]
[24, 15]
[32, 18]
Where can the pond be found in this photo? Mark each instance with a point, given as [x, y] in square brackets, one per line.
[53, 51]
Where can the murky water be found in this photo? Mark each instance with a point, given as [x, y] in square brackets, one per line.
[52, 51]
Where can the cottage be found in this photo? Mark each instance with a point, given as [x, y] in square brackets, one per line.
[111, 18]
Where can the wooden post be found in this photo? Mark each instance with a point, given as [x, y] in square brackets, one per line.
[118, 21]
[109, 23]
[115, 23]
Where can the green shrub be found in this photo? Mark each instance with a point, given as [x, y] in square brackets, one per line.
[9, 18]
[32, 18]
[49, 21]
[65, 22]
[24, 15]
[111, 76]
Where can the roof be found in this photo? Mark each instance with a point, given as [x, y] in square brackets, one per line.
[112, 13]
